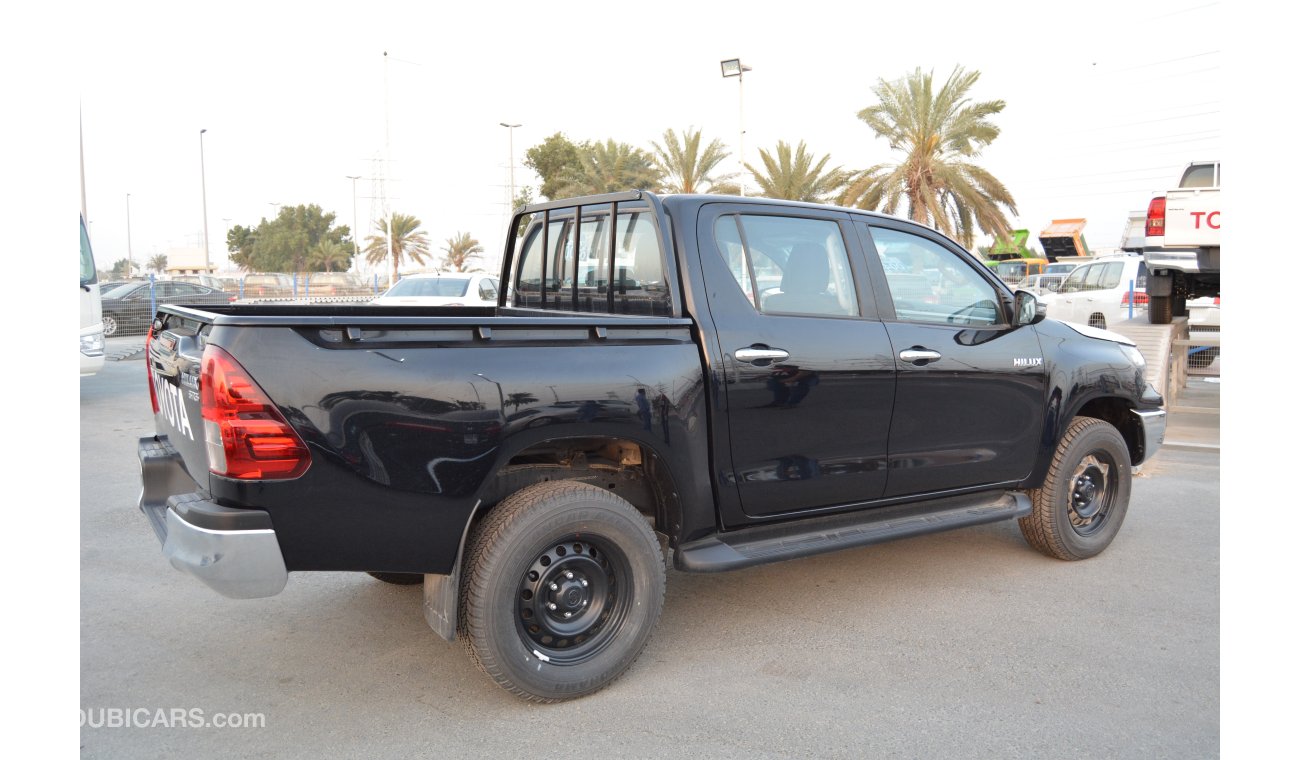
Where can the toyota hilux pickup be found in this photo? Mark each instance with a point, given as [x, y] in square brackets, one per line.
[724, 381]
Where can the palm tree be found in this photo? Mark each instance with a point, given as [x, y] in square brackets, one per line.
[609, 167]
[793, 176]
[460, 249]
[408, 241]
[158, 263]
[330, 254]
[685, 169]
[938, 133]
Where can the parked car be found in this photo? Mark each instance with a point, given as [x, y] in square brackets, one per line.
[128, 308]
[206, 280]
[1051, 278]
[445, 289]
[1014, 271]
[336, 284]
[266, 285]
[1097, 294]
[1203, 312]
[530, 463]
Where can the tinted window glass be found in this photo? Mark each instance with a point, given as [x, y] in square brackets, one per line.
[430, 287]
[788, 265]
[1198, 176]
[578, 268]
[929, 283]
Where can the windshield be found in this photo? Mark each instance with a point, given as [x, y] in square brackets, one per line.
[1012, 269]
[1060, 268]
[430, 287]
[87, 259]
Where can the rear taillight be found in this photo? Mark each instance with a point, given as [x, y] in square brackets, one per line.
[1139, 299]
[246, 436]
[148, 370]
[1156, 217]
[1216, 300]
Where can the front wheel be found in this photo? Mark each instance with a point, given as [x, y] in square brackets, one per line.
[1082, 503]
[563, 583]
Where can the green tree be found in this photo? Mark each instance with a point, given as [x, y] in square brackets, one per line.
[792, 175]
[609, 167]
[938, 133]
[329, 255]
[158, 263]
[123, 269]
[408, 242]
[285, 244]
[552, 159]
[459, 250]
[685, 168]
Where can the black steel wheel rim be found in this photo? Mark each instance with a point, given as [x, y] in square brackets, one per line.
[1092, 493]
[573, 598]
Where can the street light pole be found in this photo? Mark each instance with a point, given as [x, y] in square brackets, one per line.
[203, 178]
[129, 258]
[356, 249]
[732, 67]
[511, 127]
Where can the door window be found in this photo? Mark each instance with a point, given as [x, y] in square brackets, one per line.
[788, 265]
[929, 283]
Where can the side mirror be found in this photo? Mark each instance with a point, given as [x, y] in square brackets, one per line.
[1029, 310]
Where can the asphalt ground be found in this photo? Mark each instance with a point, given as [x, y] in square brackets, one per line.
[963, 644]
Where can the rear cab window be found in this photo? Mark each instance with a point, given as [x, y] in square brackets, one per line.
[560, 270]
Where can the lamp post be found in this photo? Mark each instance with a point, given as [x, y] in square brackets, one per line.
[227, 239]
[203, 178]
[511, 127]
[356, 249]
[129, 258]
[732, 67]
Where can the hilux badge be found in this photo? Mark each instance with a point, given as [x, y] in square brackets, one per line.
[1032, 361]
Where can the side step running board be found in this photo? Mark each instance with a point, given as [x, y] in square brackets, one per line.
[802, 538]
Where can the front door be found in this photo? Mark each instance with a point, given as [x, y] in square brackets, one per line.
[971, 388]
[808, 370]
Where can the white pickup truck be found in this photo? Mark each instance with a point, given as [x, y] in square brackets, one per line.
[1182, 243]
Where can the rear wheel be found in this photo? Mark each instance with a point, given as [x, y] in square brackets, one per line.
[563, 583]
[1160, 310]
[1098, 321]
[1079, 508]
[110, 325]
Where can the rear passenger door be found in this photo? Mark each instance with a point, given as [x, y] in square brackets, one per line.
[968, 411]
[808, 372]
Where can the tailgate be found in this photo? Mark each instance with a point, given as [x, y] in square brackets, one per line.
[1192, 218]
[174, 356]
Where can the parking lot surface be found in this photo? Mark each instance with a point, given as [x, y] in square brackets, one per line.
[963, 644]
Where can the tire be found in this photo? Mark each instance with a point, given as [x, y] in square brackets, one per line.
[1081, 505]
[1179, 307]
[110, 325]
[1160, 310]
[398, 579]
[550, 549]
[1098, 321]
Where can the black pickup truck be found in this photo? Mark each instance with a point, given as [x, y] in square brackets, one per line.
[732, 380]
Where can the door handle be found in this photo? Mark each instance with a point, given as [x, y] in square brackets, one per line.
[761, 356]
[919, 355]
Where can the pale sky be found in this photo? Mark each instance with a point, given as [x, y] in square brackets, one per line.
[293, 101]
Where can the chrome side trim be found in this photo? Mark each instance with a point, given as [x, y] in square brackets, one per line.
[240, 564]
[1153, 431]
